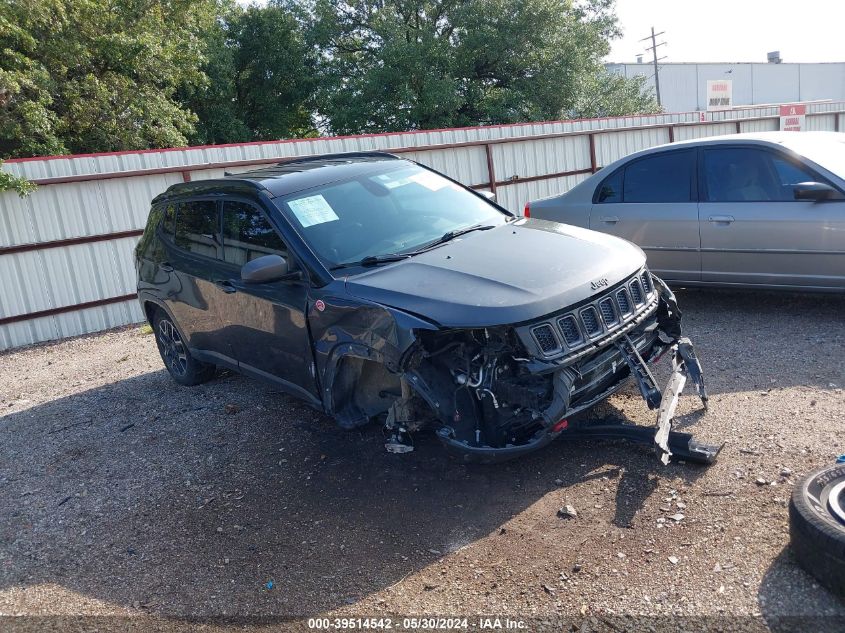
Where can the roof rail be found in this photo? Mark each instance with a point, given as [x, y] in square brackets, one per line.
[339, 155]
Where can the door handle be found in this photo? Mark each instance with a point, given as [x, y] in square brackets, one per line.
[225, 285]
[721, 219]
[610, 219]
[166, 267]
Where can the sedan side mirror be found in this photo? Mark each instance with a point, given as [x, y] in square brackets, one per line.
[816, 191]
[489, 195]
[263, 269]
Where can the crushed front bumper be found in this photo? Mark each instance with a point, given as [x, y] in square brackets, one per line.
[629, 349]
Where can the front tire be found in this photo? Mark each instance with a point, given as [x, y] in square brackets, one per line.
[817, 526]
[183, 368]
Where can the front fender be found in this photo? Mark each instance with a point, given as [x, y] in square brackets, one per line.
[347, 329]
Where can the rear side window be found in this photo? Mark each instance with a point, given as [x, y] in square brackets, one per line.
[198, 228]
[610, 190]
[663, 177]
[168, 221]
[247, 234]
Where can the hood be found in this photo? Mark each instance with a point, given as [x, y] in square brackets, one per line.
[514, 273]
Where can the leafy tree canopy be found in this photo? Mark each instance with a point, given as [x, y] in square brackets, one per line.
[260, 78]
[98, 75]
[404, 64]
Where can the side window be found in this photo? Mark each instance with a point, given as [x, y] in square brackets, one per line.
[247, 234]
[610, 190]
[791, 173]
[168, 221]
[198, 228]
[665, 177]
[736, 174]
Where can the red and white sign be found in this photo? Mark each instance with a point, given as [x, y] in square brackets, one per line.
[720, 94]
[792, 118]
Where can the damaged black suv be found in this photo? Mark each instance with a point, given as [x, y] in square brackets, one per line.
[375, 288]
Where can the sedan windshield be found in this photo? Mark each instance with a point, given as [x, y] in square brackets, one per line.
[386, 214]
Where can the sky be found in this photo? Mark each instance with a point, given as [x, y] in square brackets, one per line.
[732, 30]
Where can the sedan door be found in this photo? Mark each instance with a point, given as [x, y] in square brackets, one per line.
[265, 322]
[754, 231]
[652, 201]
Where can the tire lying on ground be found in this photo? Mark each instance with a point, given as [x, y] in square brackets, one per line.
[817, 526]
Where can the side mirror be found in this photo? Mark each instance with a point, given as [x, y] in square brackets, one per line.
[263, 269]
[816, 191]
[489, 195]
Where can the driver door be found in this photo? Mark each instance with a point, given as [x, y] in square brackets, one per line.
[265, 321]
[754, 231]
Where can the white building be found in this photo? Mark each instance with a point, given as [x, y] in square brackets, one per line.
[683, 87]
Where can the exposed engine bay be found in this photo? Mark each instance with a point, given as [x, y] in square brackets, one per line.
[496, 393]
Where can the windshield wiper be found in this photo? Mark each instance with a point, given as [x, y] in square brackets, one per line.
[372, 260]
[375, 260]
[450, 235]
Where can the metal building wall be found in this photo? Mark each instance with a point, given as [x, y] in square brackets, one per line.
[683, 86]
[66, 264]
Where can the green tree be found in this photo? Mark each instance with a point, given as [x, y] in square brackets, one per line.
[405, 64]
[260, 77]
[8, 182]
[98, 75]
[605, 94]
[214, 101]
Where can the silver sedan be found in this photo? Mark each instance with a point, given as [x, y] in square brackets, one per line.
[747, 210]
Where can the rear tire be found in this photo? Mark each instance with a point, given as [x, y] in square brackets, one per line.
[183, 368]
[817, 526]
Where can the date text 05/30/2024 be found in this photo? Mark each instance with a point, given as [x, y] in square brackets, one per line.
[480, 623]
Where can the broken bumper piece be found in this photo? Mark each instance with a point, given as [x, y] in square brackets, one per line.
[495, 405]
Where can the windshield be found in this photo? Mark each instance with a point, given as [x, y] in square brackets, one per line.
[388, 211]
[826, 150]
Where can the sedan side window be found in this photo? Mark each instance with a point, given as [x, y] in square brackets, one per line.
[198, 228]
[736, 174]
[791, 173]
[610, 190]
[665, 177]
[247, 234]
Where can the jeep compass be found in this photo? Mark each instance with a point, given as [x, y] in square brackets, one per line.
[373, 287]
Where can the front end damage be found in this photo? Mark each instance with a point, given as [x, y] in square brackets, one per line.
[500, 392]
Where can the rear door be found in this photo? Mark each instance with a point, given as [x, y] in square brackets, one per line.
[652, 201]
[265, 322]
[194, 262]
[753, 231]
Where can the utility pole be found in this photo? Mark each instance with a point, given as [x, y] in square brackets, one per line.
[653, 49]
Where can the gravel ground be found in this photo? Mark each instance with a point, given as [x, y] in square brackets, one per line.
[124, 494]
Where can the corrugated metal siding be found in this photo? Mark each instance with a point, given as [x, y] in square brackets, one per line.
[514, 197]
[525, 159]
[760, 125]
[47, 279]
[683, 86]
[821, 122]
[611, 147]
[703, 130]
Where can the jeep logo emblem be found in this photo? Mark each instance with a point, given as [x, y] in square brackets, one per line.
[599, 283]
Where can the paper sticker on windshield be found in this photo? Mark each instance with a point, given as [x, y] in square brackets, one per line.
[312, 210]
[429, 180]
